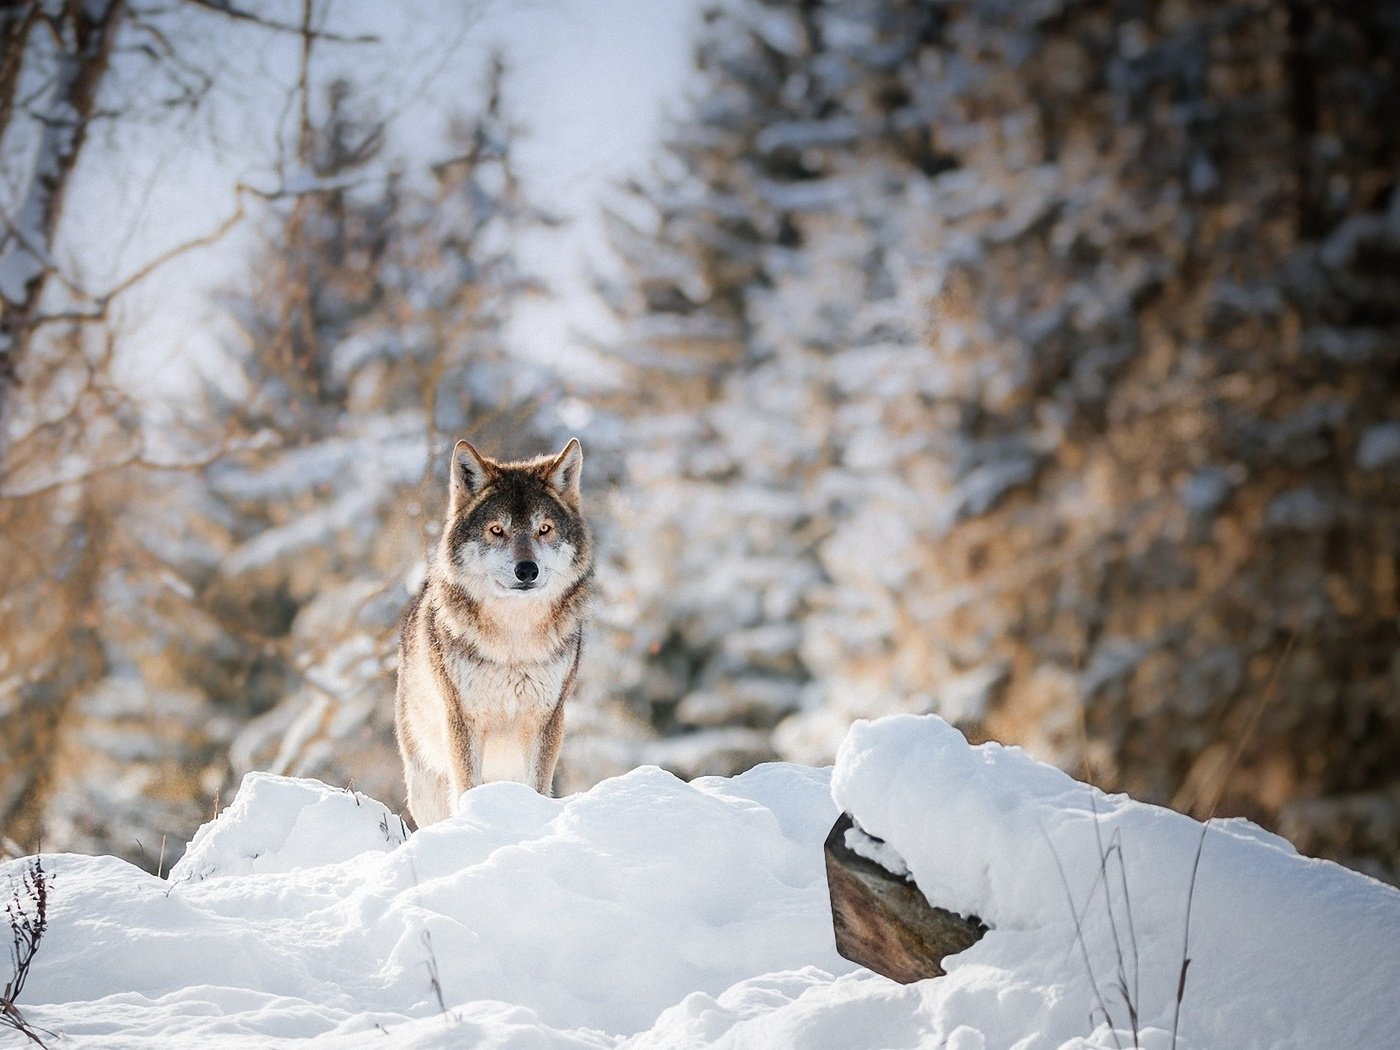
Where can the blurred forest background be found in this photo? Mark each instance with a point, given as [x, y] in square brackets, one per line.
[1036, 364]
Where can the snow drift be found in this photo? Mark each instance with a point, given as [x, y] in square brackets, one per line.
[648, 912]
[1284, 950]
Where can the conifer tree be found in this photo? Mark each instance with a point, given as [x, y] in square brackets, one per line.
[1033, 363]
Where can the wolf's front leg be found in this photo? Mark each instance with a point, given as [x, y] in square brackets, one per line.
[429, 795]
[544, 755]
[464, 738]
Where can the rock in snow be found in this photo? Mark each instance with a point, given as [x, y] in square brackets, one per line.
[881, 920]
[648, 912]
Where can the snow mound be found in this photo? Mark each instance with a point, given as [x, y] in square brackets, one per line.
[650, 913]
[285, 823]
[1284, 950]
[568, 922]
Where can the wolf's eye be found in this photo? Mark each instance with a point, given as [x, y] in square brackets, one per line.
[497, 531]
[544, 529]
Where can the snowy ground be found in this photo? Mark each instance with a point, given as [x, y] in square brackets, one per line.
[649, 912]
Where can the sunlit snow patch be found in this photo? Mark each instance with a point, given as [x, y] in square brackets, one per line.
[1087, 895]
[284, 823]
[541, 921]
[652, 913]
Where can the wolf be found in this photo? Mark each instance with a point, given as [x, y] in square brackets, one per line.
[490, 647]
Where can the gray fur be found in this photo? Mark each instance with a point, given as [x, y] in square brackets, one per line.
[486, 660]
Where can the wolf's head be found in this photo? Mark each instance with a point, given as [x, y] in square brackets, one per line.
[514, 530]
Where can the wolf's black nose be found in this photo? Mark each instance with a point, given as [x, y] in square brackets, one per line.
[526, 571]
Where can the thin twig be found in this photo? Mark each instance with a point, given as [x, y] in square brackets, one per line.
[1115, 845]
[1251, 724]
[1132, 939]
[1079, 937]
[434, 977]
[28, 915]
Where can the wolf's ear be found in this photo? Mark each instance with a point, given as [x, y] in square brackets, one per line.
[471, 471]
[564, 472]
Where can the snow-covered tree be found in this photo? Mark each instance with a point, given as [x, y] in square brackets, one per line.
[83, 455]
[997, 361]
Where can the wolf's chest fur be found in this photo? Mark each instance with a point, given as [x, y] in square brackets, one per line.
[507, 692]
[507, 702]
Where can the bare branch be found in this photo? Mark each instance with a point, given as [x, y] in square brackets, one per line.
[137, 459]
[304, 131]
[15, 25]
[238, 14]
[40, 253]
[204, 240]
[84, 65]
[101, 301]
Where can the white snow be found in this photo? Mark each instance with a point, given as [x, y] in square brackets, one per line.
[1285, 951]
[293, 915]
[281, 824]
[648, 912]
[863, 845]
